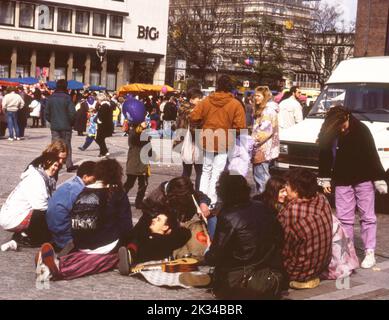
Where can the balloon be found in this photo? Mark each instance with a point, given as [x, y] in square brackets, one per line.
[90, 100]
[249, 61]
[164, 90]
[134, 110]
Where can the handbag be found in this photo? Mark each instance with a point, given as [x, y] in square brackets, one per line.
[187, 148]
[249, 282]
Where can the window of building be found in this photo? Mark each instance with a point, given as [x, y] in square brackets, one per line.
[59, 73]
[64, 20]
[82, 22]
[7, 13]
[22, 71]
[111, 81]
[27, 15]
[95, 78]
[4, 71]
[78, 75]
[116, 27]
[45, 17]
[99, 24]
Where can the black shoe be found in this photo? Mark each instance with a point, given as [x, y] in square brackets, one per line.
[81, 148]
[125, 261]
[72, 168]
[24, 240]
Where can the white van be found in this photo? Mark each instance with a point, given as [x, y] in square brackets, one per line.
[362, 86]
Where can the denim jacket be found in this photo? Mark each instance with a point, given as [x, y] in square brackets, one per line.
[59, 208]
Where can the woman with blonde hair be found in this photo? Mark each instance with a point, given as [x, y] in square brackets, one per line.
[265, 135]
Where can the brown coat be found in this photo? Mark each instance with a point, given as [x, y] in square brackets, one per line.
[219, 112]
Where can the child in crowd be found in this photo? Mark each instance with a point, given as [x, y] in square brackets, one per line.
[91, 130]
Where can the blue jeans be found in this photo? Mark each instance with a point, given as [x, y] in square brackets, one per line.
[66, 136]
[261, 175]
[88, 142]
[12, 124]
[212, 226]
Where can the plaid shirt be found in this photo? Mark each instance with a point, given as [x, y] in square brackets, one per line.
[307, 226]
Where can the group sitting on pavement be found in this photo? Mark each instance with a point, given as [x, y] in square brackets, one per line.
[284, 234]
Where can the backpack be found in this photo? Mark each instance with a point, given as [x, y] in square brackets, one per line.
[197, 244]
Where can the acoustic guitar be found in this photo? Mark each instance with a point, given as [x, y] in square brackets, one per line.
[178, 265]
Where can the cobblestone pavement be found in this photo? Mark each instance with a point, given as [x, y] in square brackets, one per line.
[17, 275]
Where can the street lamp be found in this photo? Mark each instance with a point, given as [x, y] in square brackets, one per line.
[101, 51]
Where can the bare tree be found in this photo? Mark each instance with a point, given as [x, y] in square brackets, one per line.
[327, 41]
[265, 46]
[196, 30]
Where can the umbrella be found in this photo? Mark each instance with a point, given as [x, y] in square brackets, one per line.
[143, 88]
[97, 88]
[8, 83]
[26, 80]
[72, 85]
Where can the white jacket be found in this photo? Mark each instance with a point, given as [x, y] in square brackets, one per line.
[35, 105]
[290, 113]
[30, 194]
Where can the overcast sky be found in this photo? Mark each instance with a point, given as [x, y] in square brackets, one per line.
[349, 8]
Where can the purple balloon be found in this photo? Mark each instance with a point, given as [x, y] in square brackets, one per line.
[90, 100]
[134, 110]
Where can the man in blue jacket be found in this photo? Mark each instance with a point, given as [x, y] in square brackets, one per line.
[61, 204]
[60, 112]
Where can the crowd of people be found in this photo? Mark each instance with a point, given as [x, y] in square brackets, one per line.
[259, 242]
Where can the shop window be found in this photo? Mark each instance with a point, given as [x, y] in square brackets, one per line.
[59, 73]
[82, 22]
[27, 15]
[99, 24]
[7, 13]
[64, 20]
[95, 78]
[22, 71]
[111, 81]
[78, 75]
[45, 18]
[4, 71]
[116, 27]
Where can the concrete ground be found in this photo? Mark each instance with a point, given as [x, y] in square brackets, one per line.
[17, 275]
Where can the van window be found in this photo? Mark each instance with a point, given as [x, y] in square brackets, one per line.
[369, 102]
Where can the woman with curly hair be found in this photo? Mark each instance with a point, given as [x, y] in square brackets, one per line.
[101, 224]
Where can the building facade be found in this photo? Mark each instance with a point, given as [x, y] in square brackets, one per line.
[372, 28]
[243, 40]
[97, 42]
[237, 44]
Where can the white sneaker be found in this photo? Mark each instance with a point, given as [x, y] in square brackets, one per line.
[10, 139]
[9, 246]
[42, 271]
[369, 260]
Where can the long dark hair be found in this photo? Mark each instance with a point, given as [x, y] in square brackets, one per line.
[332, 124]
[176, 195]
[179, 192]
[232, 189]
[270, 196]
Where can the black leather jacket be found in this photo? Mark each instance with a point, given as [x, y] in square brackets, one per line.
[244, 235]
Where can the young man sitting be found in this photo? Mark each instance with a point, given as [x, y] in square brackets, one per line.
[61, 204]
[154, 237]
[307, 225]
